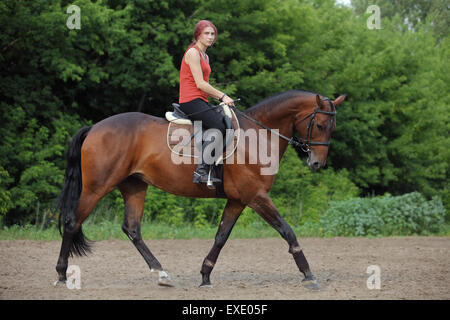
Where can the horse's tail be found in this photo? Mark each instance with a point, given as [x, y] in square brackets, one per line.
[70, 194]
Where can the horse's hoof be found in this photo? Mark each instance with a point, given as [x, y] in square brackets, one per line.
[163, 278]
[165, 282]
[206, 285]
[59, 283]
[311, 284]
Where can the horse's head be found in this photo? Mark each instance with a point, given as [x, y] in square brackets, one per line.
[315, 129]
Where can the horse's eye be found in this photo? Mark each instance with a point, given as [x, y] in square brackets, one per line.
[320, 127]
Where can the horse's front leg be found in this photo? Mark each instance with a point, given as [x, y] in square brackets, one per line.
[230, 215]
[264, 206]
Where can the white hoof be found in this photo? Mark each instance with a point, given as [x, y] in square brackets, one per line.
[164, 279]
[59, 283]
[165, 283]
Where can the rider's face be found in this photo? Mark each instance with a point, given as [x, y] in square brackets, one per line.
[207, 36]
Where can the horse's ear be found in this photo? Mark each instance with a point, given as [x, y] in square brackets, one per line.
[339, 100]
[319, 102]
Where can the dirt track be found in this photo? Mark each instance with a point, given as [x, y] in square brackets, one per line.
[411, 268]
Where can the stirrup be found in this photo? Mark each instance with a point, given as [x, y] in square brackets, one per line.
[206, 178]
[209, 183]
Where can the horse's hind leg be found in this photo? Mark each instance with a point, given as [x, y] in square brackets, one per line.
[264, 206]
[230, 215]
[73, 239]
[133, 191]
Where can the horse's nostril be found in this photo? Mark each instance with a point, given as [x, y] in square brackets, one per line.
[316, 165]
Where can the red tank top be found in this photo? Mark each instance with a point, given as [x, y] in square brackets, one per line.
[188, 88]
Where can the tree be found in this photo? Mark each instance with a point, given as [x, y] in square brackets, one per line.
[431, 12]
[55, 80]
[391, 133]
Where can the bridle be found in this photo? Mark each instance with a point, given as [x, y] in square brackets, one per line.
[299, 142]
[306, 143]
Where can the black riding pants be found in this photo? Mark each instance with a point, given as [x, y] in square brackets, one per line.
[209, 116]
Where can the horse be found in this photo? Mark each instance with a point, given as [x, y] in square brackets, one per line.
[128, 151]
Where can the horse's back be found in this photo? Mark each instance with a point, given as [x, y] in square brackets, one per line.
[121, 140]
[129, 121]
[128, 128]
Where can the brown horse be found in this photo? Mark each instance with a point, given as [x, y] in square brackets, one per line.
[129, 151]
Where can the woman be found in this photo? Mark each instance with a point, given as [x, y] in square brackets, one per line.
[195, 89]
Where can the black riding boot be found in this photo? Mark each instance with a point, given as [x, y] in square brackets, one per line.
[202, 172]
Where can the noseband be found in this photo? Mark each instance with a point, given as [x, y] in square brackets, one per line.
[305, 144]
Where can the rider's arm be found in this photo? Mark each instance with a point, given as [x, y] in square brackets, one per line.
[192, 58]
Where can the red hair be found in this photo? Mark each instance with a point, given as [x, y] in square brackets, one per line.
[200, 26]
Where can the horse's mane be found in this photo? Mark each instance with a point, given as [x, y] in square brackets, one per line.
[277, 99]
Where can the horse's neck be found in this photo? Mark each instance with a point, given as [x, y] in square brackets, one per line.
[282, 118]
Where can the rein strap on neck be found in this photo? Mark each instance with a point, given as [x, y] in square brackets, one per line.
[304, 145]
[291, 140]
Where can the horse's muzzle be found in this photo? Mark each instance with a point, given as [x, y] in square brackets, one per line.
[314, 163]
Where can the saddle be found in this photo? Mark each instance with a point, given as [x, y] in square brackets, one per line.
[176, 138]
[179, 117]
[184, 143]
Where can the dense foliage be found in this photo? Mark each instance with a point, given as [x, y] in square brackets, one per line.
[391, 135]
[402, 215]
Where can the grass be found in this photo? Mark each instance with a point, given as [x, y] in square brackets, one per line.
[109, 230]
[106, 230]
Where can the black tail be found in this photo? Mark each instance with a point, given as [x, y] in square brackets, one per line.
[70, 194]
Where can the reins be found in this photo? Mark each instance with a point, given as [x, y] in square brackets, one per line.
[305, 146]
[291, 140]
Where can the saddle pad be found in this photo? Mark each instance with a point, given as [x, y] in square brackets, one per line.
[170, 116]
[180, 142]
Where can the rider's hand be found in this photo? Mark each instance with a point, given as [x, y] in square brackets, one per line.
[228, 101]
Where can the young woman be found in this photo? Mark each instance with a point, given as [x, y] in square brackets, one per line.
[195, 89]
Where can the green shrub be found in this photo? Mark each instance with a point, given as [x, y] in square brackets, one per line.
[302, 195]
[401, 215]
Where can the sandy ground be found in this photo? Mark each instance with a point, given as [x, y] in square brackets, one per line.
[249, 269]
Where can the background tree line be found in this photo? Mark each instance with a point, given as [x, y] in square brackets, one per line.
[392, 132]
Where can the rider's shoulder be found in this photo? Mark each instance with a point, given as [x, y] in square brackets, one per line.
[192, 53]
